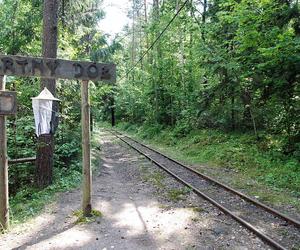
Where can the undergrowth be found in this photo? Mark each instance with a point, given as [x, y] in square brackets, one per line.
[30, 201]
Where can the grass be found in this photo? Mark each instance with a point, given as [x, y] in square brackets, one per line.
[155, 177]
[251, 160]
[30, 201]
[81, 219]
[177, 194]
[197, 209]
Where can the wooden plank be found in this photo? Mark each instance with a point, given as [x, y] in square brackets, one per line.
[56, 68]
[8, 102]
[86, 150]
[21, 160]
[4, 212]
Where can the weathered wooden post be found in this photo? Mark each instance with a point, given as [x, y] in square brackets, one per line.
[86, 148]
[7, 107]
[4, 215]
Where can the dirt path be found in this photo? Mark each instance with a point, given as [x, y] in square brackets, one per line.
[142, 209]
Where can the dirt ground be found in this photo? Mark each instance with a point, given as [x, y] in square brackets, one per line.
[142, 207]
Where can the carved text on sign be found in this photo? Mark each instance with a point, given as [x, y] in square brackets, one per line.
[56, 68]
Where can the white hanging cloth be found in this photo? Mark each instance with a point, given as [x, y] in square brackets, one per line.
[42, 110]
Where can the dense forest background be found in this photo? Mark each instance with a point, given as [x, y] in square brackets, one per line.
[231, 65]
[223, 71]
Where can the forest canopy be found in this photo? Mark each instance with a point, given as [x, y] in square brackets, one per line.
[222, 64]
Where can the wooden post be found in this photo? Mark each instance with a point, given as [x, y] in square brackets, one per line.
[4, 215]
[113, 117]
[86, 145]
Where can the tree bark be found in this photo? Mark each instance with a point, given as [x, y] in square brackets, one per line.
[145, 24]
[45, 149]
[86, 148]
[44, 160]
[133, 40]
[113, 118]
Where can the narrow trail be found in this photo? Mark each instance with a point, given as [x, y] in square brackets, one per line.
[138, 213]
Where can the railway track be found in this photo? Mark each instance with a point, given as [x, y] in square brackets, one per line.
[275, 228]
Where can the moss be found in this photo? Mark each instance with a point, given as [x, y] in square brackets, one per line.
[81, 219]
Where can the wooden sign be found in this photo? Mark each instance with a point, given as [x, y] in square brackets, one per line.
[56, 68]
[8, 104]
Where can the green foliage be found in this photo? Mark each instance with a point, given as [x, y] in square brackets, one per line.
[29, 201]
[20, 23]
[235, 70]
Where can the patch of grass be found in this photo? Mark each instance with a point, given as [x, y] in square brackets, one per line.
[178, 194]
[83, 220]
[156, 178]
[197, 209]
[264, 193]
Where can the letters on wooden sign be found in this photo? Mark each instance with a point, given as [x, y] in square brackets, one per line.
[56, 68]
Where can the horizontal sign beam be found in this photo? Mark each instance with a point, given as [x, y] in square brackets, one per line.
[56, 68]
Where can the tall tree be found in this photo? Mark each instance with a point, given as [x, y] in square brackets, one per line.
[45, 149]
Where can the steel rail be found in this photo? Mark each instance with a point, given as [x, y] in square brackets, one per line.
[242, 195]
[246, 224]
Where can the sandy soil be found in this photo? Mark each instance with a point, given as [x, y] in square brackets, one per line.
[138, 213]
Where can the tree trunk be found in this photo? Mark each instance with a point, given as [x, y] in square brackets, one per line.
[204, 19]
[181, 61]
[146, 22]
[233, 126]
[156, 60]
[44, 162]
[113, 118]
[133, 40]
